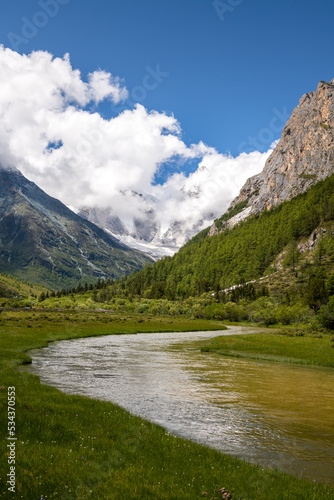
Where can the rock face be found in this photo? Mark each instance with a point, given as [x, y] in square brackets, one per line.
[43, 241]
[303, 156]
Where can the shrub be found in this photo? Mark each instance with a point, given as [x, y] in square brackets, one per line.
[326, 314]
[143, 308]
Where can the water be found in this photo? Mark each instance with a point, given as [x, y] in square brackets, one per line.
[275, 415]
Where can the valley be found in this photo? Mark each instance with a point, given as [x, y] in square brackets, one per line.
[265, 265]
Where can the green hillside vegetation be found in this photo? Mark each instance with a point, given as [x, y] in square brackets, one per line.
[16, 293]
[287, 286]
[243, 253]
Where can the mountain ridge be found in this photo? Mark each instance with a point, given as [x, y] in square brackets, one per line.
[43, 240]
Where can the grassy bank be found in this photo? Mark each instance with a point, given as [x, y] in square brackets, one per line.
[294, 345]
[72, 447]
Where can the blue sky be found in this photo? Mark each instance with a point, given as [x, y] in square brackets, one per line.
[226, 73]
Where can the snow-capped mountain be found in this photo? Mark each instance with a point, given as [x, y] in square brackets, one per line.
[147, 232]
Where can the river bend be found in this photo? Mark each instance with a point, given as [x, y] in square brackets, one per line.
[271, 414]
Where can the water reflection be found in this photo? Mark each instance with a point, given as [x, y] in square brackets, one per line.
[271, 414]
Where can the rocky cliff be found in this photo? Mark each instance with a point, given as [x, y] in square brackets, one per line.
[303, 156]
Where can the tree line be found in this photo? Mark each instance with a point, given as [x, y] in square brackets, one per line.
[241, 254]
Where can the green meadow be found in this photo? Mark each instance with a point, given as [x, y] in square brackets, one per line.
[284, 345]
[72, 447]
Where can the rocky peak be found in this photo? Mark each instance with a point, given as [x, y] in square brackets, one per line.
[303, 156]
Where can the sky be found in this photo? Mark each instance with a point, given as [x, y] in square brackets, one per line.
[102, 99]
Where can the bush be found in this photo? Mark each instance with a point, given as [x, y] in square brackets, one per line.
[198, 311]
[293, 314]
[175, 310]
[143, 308]
[235, 312]
[326, 314]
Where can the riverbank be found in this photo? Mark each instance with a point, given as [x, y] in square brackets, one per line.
[72, 447]
[293, 345]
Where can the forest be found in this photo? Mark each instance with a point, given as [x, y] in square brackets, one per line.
[244, 253]
[276, 267]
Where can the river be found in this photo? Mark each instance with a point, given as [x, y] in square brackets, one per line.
[271, 414]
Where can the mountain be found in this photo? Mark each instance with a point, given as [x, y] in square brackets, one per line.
[298, 233]
[147, 233]
[282, 214]
[303, 156]
[41, 240]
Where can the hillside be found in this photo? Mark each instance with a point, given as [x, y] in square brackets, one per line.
[276, 267]
[16, 293]
[246, 252]
[42, 241]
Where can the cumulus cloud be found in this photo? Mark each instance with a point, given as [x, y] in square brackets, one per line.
[205, 194]
[103, 85]
[85, 160]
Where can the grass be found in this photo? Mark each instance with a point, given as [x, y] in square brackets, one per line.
[72, 447]
[13, 291]
[297, 346]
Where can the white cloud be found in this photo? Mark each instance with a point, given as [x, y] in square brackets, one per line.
[206, 193]
[86, 160]
[103, 85]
